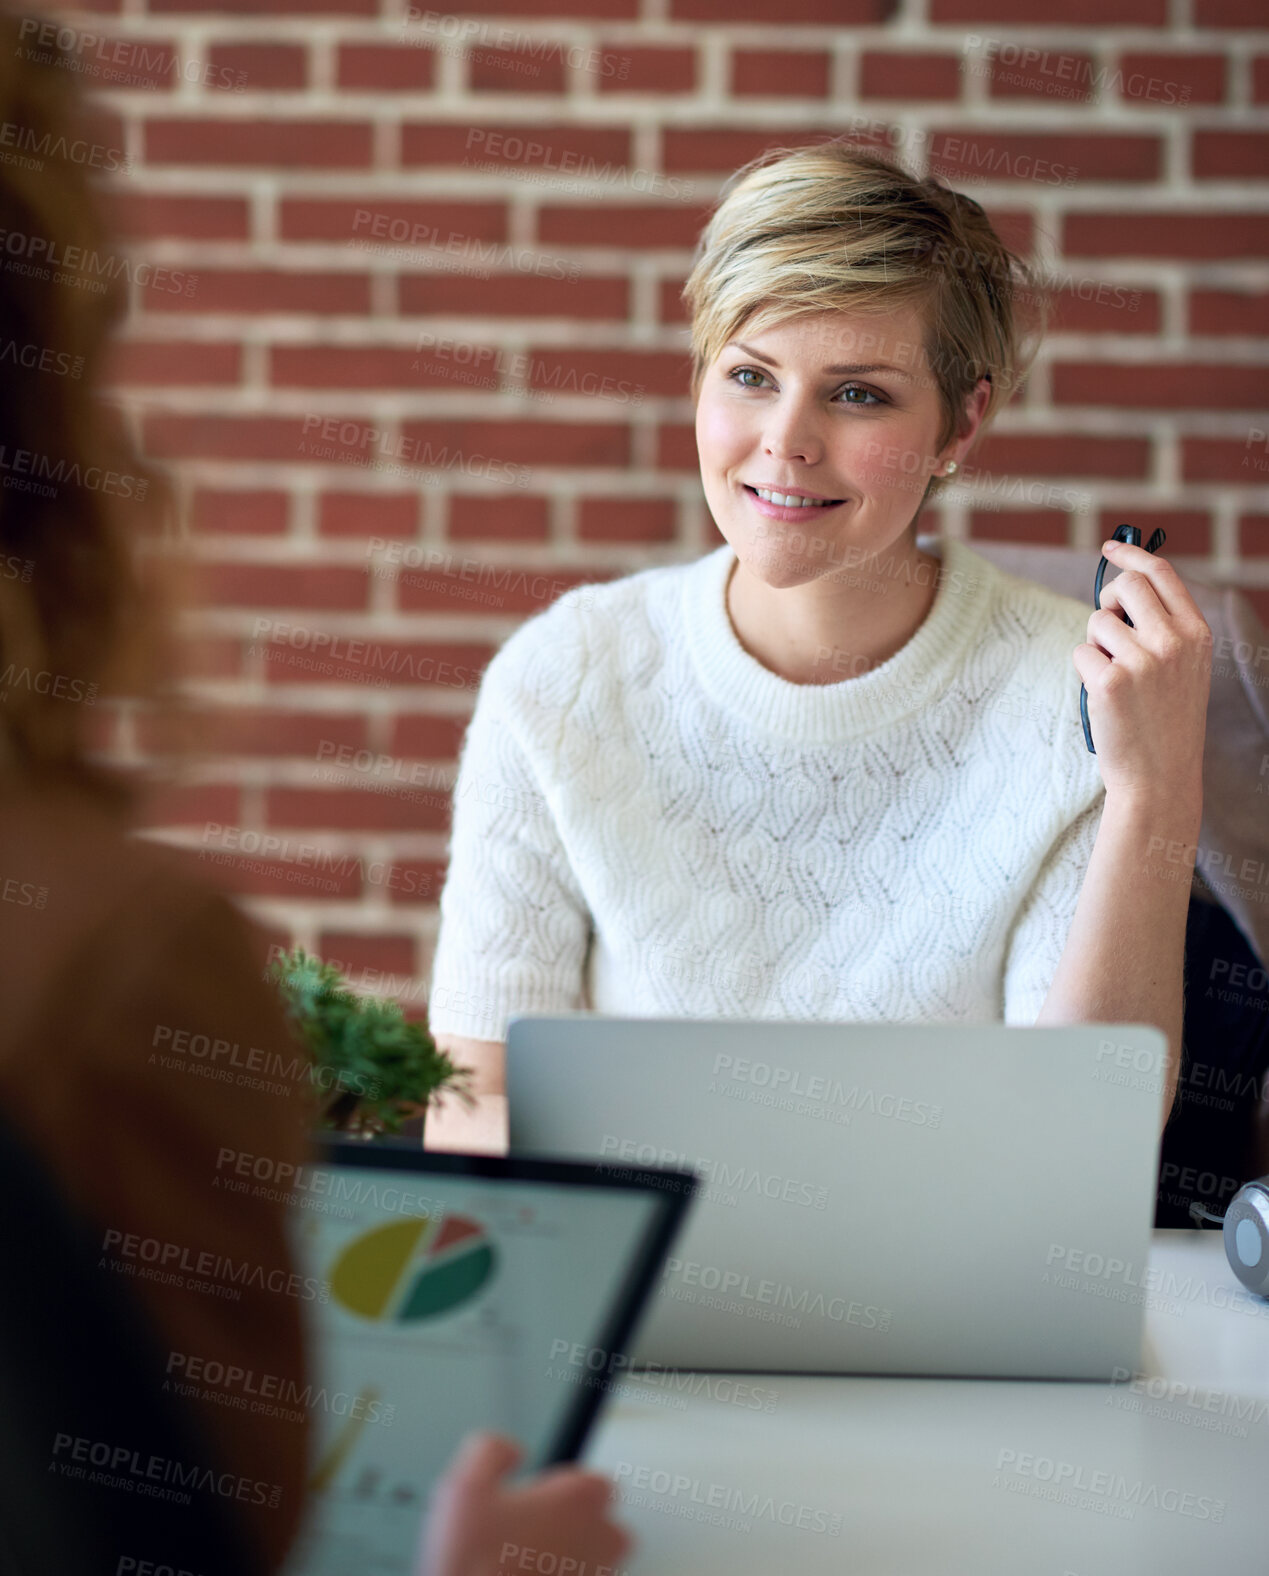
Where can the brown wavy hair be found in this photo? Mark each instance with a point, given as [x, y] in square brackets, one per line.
[79, 603]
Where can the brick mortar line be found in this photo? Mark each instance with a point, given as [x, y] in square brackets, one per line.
[905, 33]
[691, 112]
[437, 184]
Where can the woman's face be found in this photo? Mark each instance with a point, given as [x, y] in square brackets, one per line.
[829, 405]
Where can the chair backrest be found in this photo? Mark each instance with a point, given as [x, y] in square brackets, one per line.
[1233, 858]
[93, 1451]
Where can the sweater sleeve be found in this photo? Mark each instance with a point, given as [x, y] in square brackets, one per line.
[514, 926]
[1043, 924]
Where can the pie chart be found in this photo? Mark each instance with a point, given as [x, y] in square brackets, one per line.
[413, 1269]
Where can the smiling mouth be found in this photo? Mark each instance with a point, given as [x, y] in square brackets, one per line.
[803, 503]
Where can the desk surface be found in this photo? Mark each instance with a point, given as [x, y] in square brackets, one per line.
[1166, 1475]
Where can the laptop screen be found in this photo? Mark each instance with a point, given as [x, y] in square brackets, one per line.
[457, 1293]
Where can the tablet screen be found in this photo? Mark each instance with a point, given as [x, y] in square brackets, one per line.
[446, 1303]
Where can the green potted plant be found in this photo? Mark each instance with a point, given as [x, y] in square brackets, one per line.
[378, 1068]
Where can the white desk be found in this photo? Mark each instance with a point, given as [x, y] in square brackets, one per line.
[920, 1473]
[917, 1474]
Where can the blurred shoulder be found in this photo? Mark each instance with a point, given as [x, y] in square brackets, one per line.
[88, 866]
[83, 886]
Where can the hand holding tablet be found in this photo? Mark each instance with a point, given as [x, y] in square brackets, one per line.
[457, 1293]
[477, 1525]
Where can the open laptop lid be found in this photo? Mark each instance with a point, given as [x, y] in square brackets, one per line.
[450, 1293]
[947, 1199]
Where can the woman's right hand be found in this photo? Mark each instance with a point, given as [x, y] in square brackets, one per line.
[478, 1526]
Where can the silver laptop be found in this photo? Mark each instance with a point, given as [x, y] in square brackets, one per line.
[875, 1198]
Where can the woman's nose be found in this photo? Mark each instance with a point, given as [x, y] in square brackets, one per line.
[791, 432]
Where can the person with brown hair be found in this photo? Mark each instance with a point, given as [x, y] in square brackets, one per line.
[140, 1046]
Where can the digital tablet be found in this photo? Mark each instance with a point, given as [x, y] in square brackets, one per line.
[454, 1293]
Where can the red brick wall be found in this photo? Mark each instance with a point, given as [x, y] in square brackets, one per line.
[328, 180]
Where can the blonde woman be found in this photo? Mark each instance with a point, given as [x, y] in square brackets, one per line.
[830, 770]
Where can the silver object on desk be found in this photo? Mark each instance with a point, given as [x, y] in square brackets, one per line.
[946, 1199]
[1246, 1231]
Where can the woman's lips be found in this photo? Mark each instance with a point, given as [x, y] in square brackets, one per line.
[795, 514]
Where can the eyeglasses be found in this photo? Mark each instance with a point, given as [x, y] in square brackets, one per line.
[1131, 535]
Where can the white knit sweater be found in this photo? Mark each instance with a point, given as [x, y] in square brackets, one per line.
[647, 821]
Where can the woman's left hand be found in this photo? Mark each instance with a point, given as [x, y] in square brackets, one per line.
[1147, 685]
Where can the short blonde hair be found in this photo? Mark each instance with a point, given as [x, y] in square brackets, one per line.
[837, 227]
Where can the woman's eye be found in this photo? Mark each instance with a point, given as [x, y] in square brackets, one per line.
[856, 388]
[747, 372]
